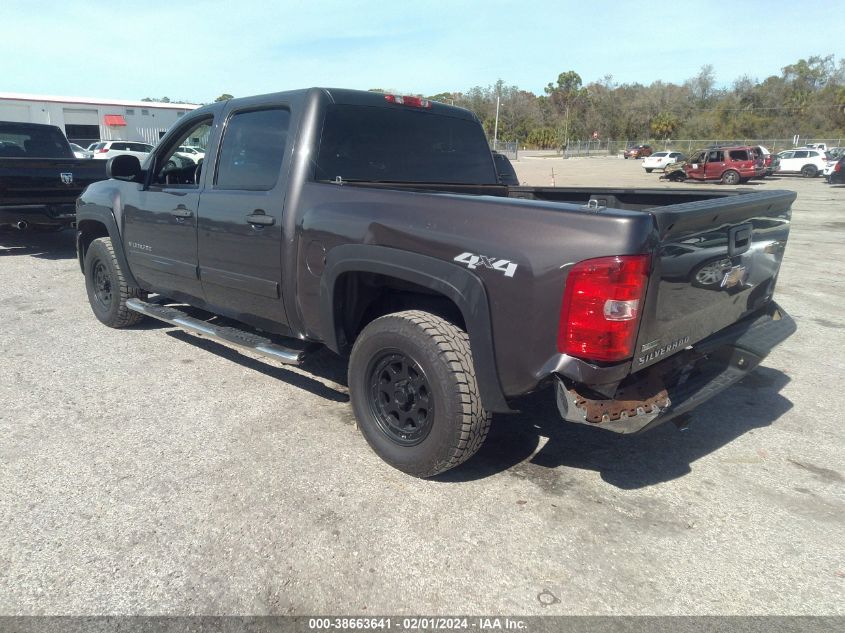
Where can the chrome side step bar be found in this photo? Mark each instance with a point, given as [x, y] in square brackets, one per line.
[233, 337]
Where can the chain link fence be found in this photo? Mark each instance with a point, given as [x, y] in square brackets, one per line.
[509, 149]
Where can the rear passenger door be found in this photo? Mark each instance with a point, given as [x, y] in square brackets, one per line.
[241, 218]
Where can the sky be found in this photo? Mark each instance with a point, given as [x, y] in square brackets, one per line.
[198, 50]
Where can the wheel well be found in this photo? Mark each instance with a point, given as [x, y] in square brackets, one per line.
[360, 298]
[88, 231]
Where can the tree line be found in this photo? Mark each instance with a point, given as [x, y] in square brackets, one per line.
[806, 98]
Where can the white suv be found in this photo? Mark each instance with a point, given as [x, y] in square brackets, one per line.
[194, 153]
[107, 149]
[807, 162]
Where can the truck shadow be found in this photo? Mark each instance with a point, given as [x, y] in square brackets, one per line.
[624, 461]
[43, 245]
[322, 364]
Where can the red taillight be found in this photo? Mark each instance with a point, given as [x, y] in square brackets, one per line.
[601, 307]
[414, 102]
[837, 167]
[102, 150]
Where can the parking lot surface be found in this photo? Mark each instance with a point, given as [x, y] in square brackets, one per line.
[146, 471]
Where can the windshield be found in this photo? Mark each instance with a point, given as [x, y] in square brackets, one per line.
[659, 154]
[374, 144]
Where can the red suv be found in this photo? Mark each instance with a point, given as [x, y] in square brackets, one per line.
[731, 165]
[638, 151]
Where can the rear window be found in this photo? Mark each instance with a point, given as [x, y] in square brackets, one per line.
[739, 154]
[32, 142]
[373, 144]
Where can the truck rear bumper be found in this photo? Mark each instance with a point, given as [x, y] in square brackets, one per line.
[680, 383]
[52, 214]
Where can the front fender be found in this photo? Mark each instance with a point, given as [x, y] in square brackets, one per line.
[98, 218]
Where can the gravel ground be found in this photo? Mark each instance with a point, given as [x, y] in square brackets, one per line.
[148, 472]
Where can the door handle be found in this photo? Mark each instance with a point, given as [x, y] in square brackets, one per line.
[182, 212]
[259, 218]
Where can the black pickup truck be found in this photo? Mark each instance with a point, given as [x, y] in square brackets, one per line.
[376, 225]
[40, 178]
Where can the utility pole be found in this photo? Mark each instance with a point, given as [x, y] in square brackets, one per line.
[496, 127]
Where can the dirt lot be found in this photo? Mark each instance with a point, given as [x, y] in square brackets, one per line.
[146, 471]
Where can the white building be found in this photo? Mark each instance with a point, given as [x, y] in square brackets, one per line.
[85, 120]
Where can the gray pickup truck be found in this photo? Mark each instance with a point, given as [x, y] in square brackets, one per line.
[376, 225]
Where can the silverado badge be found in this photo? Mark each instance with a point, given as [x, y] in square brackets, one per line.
[67, 177]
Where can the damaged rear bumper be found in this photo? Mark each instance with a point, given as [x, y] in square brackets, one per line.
[682, 382]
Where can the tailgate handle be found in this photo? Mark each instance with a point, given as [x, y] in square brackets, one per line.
[739, 239]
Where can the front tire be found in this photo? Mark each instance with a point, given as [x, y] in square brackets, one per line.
[414, 393]
[106, 286]
[809, 171]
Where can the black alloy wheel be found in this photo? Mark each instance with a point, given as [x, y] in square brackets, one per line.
[102, 284]
[400, 398]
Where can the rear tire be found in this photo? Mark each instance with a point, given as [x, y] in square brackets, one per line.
[809, 171]
[414, 393]
[106, 286]
[730, 177]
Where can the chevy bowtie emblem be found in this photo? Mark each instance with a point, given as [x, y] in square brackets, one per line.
[67, 177]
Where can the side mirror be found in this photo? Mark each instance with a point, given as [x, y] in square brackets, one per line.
[124, 167]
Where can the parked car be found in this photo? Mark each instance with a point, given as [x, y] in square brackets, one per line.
[659, 160]
[637, 151]
[40, 178]
[194, 153]
[376, 225]
[106, 149]
[837, 172]
[729, 165]
[807, 162]
[830, 163]
[80, 152]
[822, 147]
[91, 146]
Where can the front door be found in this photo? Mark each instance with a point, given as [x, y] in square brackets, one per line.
[241, 222]
[715, 164]
[160, 221]
[695, 166]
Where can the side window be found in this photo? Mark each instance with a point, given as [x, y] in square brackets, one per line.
[715, 156]
[253, 149]
[739, 154]
[801, 154]
[784, 155]
[173, 168]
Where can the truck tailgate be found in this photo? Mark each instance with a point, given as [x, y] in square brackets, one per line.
[716, 261]
[46, 180]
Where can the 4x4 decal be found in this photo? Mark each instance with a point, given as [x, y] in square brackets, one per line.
[474, 261]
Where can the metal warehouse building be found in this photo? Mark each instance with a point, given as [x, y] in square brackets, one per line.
[85, 120]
